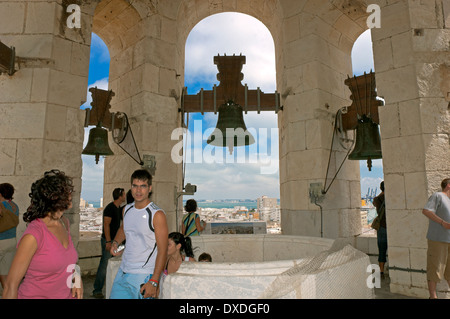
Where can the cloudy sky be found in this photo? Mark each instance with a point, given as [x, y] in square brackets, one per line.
[251, 171]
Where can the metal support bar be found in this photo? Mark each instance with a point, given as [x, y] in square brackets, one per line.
[421, 271]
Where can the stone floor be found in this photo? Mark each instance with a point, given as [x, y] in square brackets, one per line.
[380, 293]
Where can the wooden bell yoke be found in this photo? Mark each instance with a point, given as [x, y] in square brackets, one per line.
[230, 89]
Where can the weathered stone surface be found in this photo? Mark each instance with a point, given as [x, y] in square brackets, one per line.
[41, 124]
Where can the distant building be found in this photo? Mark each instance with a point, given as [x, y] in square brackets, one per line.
[83, 203]
[268, 209]
[265, 201]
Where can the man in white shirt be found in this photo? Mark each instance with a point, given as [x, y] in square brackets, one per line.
[437, 209]
[145, 230]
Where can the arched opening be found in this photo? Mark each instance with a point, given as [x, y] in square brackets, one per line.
[91, 201]
[229, 186]
[362, 62]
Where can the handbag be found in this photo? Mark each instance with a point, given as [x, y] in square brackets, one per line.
[377, 220]
[8, 219]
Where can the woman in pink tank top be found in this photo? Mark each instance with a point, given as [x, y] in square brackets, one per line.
[46, 257]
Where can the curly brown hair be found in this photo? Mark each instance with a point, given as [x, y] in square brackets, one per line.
[49, 194]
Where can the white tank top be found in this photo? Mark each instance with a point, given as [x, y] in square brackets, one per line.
[140, 251]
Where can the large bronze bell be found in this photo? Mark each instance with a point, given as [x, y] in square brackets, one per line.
[368, 142]
[97, 143]
[230, 129]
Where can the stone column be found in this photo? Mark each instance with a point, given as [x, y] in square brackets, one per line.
[317, 47]
[411, 53]
[41, 125]
[144, 78]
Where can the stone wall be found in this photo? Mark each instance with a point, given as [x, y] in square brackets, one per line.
[411, 53]
[41, 126]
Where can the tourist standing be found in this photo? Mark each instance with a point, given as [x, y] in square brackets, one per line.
[145, 230]
[112, 216]
[8, 237]
[437, 209]
[191, 224]
[380, 204]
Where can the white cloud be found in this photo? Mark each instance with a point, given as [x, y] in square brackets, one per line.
[370, 184]
[378, 163]
[231, 181]
[231, 33]
[92, 180]
[362, 54]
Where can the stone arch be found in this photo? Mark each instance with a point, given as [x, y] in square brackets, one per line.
[190, 12]
[114, 21]
[188, 18]
[317, 41]
[117, 23]
[143, 78]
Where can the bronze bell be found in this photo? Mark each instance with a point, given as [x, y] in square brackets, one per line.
[97, 143]
[230, 129]
[368, 141]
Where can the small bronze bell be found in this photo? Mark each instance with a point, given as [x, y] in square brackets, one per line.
[368, 142]
[97, 143]
[230, 129]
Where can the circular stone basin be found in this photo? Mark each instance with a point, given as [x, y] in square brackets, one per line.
[267, 266]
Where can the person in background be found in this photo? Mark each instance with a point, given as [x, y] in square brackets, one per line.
[8, 237]
[46, 258]
[112, 216]
[179, 249]
[380, 204]
[205, 257]
[437, 210]
[129, 197]
[191, 224]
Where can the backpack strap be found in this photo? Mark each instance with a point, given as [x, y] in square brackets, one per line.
[153, 230]
[127, 211]
[150, 225]
[150, 219]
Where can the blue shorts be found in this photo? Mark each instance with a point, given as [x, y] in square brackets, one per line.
[128, 286]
